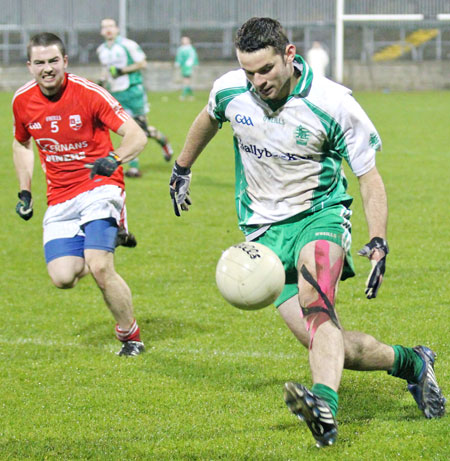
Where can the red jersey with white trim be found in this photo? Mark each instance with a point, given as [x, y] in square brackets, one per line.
[69, 133]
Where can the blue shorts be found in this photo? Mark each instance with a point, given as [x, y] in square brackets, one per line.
[99, 235]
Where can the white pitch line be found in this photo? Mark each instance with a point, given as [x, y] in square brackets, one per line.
[161, 349]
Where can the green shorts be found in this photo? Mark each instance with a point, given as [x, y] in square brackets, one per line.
[186, 73]
[133, 100]
[287, 238]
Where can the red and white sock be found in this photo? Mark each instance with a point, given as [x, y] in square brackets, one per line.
[132, 334]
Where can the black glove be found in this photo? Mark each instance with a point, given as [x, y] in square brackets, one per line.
[25, 206]
[125, 238]
[179, 188]
[378, 267]
[104, 166]
[115, 71]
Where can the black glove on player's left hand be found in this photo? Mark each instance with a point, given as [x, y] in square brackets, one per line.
[378, 266]
[179, 188]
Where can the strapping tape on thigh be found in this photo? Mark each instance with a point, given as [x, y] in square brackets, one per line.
[330, 311]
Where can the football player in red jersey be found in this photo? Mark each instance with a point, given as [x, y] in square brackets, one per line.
[69, 119]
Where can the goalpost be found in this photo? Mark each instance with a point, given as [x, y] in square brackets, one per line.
[341, 18]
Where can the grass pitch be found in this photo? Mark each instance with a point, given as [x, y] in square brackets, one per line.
[210, 385]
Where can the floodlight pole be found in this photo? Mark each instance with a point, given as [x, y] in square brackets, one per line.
[339, 42]
[123, 17]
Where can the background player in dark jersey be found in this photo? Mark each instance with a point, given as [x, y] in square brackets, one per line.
[69, 118]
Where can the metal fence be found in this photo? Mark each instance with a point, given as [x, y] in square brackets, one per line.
[158, 25]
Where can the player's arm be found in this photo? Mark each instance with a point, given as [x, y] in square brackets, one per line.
[201, 132]
[133, 141]
[374, 199]
[375, 206]
[132, 144]
[135, 67]
[23, 157]
[362, 142]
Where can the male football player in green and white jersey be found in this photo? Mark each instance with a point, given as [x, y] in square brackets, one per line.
[291, 133]
[186, 59]
[123, 61]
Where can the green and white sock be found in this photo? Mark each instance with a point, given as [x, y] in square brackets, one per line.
[134, 163]
[161, 139]
[328, 395]
[407, 364]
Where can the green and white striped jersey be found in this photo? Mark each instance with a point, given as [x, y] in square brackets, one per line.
[289, 155]
[123, 52]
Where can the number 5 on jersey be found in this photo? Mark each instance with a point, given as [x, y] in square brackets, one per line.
[54, 126]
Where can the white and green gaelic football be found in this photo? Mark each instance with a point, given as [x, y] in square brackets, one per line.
[250, 275]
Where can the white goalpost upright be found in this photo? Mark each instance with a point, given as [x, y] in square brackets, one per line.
[339, 42]
[342, 18]
[122, 23]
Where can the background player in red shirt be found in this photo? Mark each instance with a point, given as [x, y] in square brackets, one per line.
[69, 118]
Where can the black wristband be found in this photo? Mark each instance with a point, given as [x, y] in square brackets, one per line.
[380, 244]
[115, 157]
[24, 195]
[181, 170]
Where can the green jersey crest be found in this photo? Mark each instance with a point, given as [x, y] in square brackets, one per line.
[302, 135]
[374, 141]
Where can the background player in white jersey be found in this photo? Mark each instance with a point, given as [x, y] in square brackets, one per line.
[69, 118]
[123, 61]
[291, 133]
[318, 60]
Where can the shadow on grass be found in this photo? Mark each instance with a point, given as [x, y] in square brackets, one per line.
[259, 384]
[152, 329]
[162, 328]
[363, 406]
[383, 400]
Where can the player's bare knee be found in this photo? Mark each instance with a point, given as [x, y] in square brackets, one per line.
[319, 308]
[64, 281]
[101, 269]
[65, 271]
[318, 312]
[355, 346]
[307, 296]
[316, 320]
[98, 269]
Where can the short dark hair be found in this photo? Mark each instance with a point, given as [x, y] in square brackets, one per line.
[258, 33]
[45, 39]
